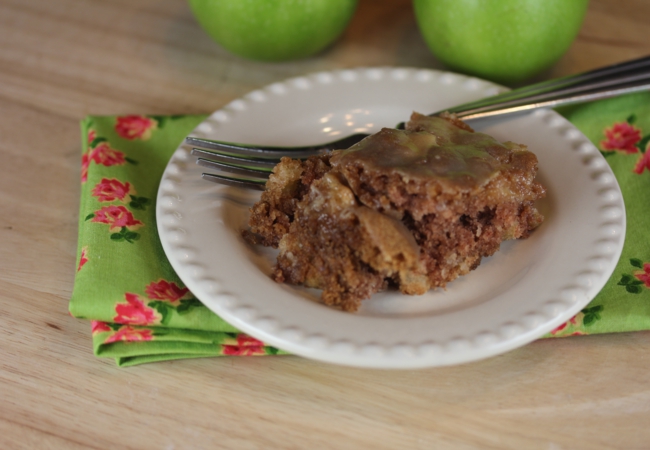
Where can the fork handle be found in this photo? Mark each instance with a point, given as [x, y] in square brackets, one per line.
[606, 82]
[577, 94]
[582, 81]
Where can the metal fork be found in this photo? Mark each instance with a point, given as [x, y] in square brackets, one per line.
[250, 165]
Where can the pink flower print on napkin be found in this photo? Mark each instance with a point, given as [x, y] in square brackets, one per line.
[99, 327]
[575, 325]
[562, 327]
[575, 333]
[116, 217]
[83, 259]
[109, 190]
[106, 155]
[623, 137]
[91, 136]
[246, 346]
[135, 127]
[644, 275]
[135, 312]
[130, 334]
[85, 162]
[166, 291]
[643, 163]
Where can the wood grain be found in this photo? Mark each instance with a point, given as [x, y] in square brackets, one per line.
[62, 60]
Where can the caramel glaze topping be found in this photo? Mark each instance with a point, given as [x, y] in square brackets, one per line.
[432, 147]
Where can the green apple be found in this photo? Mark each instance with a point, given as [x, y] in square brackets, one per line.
[501, 40]
[273, 30]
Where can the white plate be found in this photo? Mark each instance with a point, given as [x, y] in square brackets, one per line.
[528, 288]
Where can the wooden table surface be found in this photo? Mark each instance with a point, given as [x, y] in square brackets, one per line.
[63, 59]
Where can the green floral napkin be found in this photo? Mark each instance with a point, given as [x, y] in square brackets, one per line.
[140, 310]
[620, 128]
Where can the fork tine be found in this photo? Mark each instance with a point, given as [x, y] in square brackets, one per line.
[235, 160]
[270, 152]
[234, 181]
[224, 167]
[250, 151]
